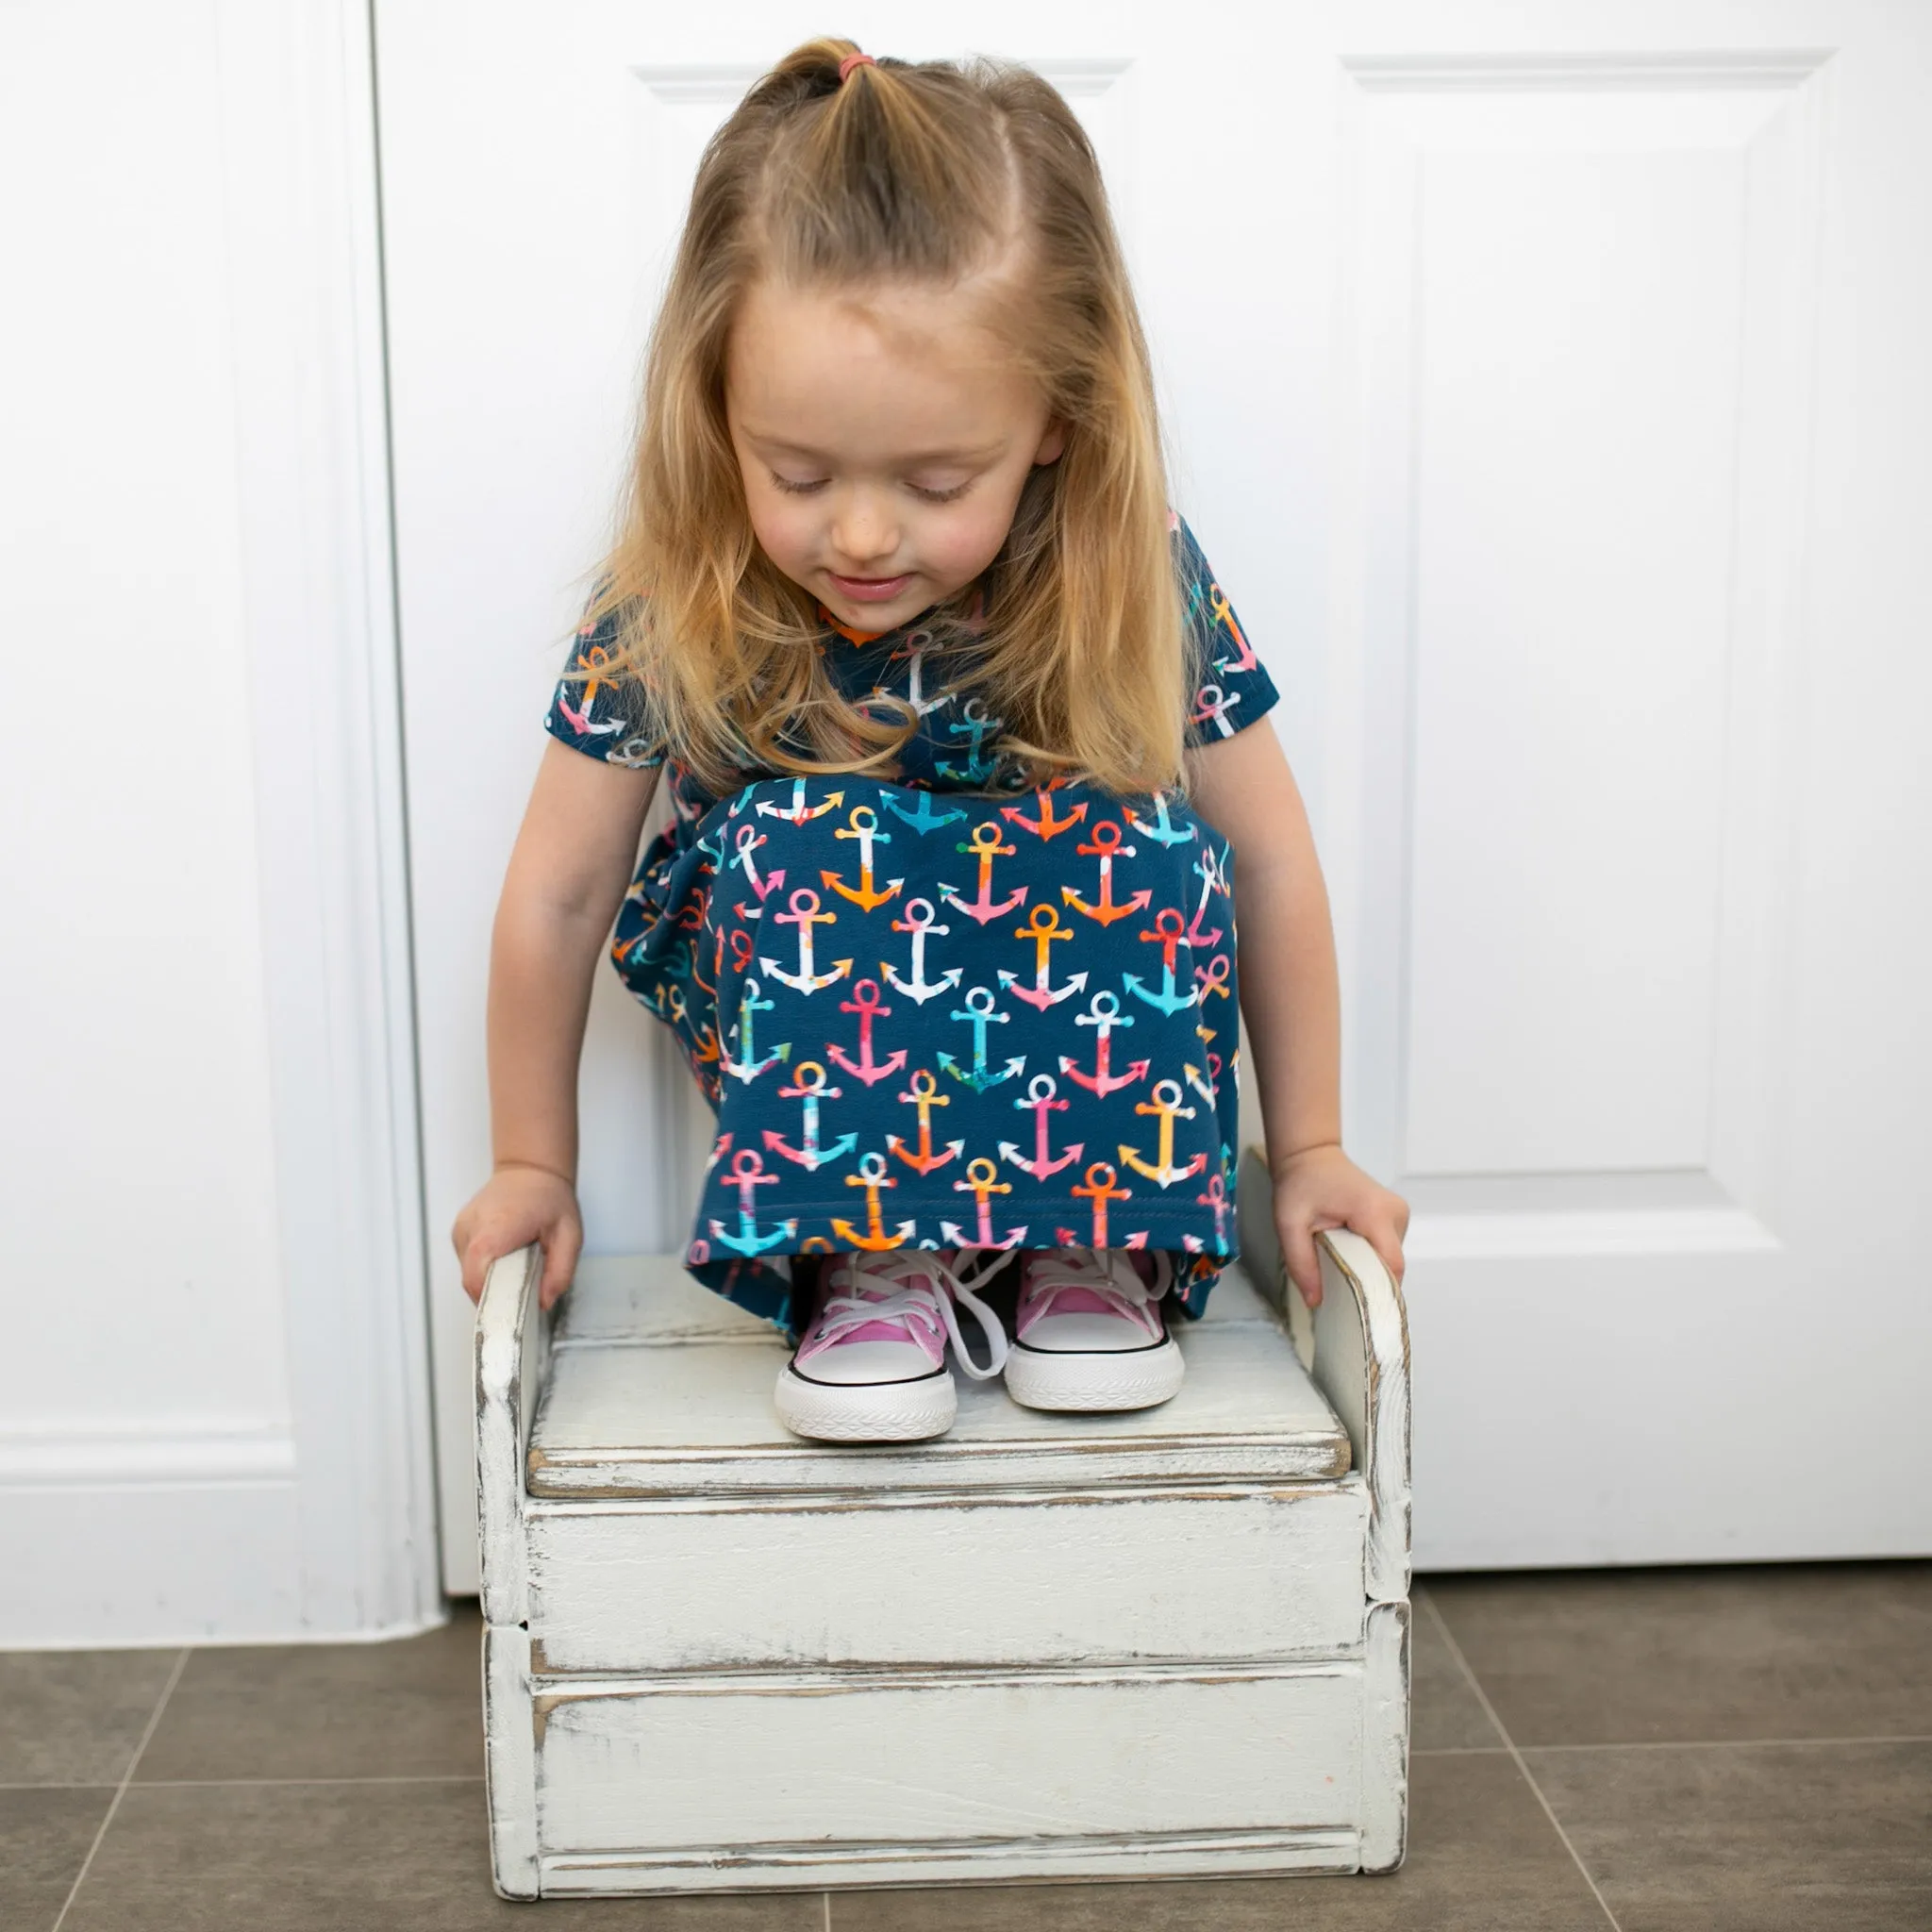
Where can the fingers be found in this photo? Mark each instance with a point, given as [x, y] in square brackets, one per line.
[470, 1253]
[561, 1245]
[1387, 1244]
[1385, 1230]
[1304, 1263]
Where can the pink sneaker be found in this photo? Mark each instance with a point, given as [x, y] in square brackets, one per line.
[1089, 1333]
[871, 1365]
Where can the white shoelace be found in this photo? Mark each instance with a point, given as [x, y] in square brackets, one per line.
[1110, 1274]
[913, 1286]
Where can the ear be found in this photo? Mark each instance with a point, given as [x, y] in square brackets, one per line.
[1052, 442]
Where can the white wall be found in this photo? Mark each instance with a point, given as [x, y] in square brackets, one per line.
[163, 1472]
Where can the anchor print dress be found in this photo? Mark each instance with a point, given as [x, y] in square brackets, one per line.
[942, 1009]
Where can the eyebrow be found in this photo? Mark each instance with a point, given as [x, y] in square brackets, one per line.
[778, 445]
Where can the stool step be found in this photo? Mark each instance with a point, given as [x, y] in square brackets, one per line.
[1007, 1760]
[659, 1388]
[1119, 1574]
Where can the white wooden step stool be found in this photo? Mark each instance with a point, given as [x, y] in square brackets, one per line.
[1152, 1645]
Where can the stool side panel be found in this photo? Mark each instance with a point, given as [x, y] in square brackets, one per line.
[1021, 1579]
[511, 1361]
[510, 1751]
[927, 1758]
[1385, 1737]
[1361, 1360]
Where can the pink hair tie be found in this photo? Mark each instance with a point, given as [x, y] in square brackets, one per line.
[852, 61]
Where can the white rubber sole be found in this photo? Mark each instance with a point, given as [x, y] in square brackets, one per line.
[1091, 1380]
[866, 1411]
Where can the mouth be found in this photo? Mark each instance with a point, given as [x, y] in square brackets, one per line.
[870, 590]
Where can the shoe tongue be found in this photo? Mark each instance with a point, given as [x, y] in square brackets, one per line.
[919, 1320]
[886, 1331]
[1082, 1301]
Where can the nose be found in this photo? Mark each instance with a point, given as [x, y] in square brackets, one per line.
[864, 530]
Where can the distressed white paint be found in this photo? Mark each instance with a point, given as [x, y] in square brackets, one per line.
[512, 1354]
[624, 1419]
[1385, 1737]
[511, 1757]
[1014, 1576]
[1041, 1647]
[1150, 1855]
[872, 1759]
[1356, 1345]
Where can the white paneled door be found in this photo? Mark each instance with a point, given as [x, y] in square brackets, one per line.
[1548, 387]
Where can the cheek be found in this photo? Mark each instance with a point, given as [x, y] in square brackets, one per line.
[970, 540]
[781, 525]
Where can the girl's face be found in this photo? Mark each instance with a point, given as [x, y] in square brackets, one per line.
[883, 439]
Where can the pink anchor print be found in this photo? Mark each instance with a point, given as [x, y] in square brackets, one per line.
[865, 1002]
[981, 1184]
[1211, 870]
[1039, 1102]
[1103, 1014]
[1212, 706]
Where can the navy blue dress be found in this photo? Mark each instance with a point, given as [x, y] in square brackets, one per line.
[943, 1009]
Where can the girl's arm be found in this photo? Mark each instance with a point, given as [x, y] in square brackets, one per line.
[1289, 998]
[567, 875]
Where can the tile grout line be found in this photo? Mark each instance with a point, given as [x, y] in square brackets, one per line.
[1737, 1743]
[120, 1790]
[227, 1784]
[1678, 1744]
[167, 1784]
[1482, 1696]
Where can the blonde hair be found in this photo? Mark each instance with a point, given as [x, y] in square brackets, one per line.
[919, 173]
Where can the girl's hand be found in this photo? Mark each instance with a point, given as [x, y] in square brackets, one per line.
[516, 1206]
[1321, 1187]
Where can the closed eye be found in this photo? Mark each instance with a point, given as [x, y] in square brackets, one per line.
[791, 489]
[946, 495]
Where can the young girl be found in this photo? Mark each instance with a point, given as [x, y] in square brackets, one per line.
[958, 729]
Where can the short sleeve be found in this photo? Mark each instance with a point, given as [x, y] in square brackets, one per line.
[1231, 688]
[599, 708]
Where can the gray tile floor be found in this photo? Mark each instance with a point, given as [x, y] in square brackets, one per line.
[1659, 1751]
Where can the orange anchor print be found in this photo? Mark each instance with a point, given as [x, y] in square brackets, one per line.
[865, 828]
[985, 842]
[1042, 927]
[1224, 616]
[1166, 1105]
[1100, 1189]
[1045, 825]
[1105, 844]
[871, 1177]
[925, 1097]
